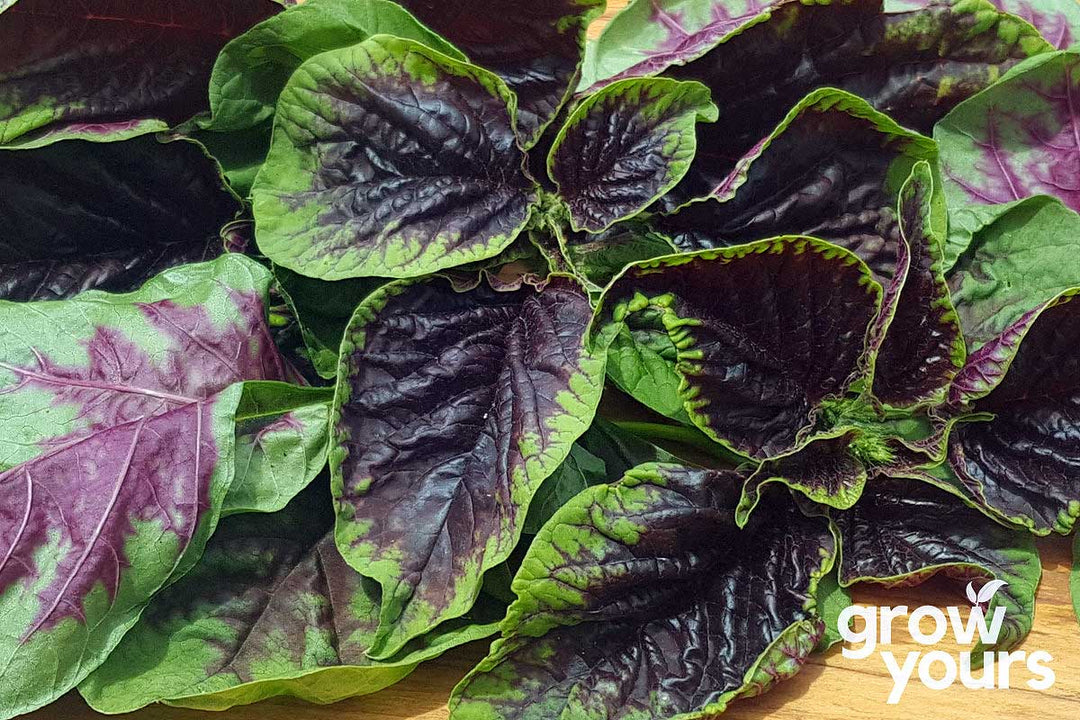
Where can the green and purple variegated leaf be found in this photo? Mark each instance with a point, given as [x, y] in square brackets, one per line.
[270, 609]
[904, 531]
[1018, 138]
[1057, 21]
[253, 68]
[117, 453]
[91, 66]
[832, 169]
[826, 470]
[763, 332]
[916, 345]
[106, 215]
[648, 36]
[536, 48]
[1023, 462]
[760, 73]
[625, 146]
[390, 159]
[642, 600]
[1011, 269]
[282, 437]
[451, 409]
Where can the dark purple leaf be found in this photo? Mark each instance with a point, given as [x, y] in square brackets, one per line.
[904, 531]
[642, 600]
[918, 347]
[536, 48]
[829, 171]
[764, 333]
[1025, 462]
[82, 215]
[625, 146]
[826, 470]
[452, 408]
[390, 159]
[78, 62]
[913, 66]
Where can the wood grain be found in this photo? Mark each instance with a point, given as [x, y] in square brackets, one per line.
[829, 687]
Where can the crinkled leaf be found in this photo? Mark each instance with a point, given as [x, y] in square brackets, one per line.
[648, 36]
[253, 68]
[89, 64]
[536, 48]
[390, 159]
[917, 345]
[625, 146]
[833, 169]
[826, 470]
[108, 215]
[271, 609]
[642, 600]
[452, 408]
[282, 436]
[763, 332]
[904, 531]
[912, 66]
[1012, 267]
[117, 452]
[1025, 462]
[1021, 137]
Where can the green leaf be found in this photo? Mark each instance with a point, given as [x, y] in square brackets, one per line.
[390, 159]
[581, 469]
[282, 436]
[1023, 259]
[832, 599]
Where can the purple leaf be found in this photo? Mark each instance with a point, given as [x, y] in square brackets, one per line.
[104, 62]
[117, 453]
[828, 170]
[904, 531]
[625, 146]
[917, 347]
[452, 408]
[912, 66]
[535, 47]
[648, 36]
[642, 600]
[1024, 462]
[764, 333]
[106, 215]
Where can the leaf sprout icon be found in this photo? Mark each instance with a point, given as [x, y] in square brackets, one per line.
[986, 593]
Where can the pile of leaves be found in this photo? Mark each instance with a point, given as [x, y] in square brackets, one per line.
[308, 312]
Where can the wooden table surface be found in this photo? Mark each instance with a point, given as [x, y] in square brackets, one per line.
[830, 687]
